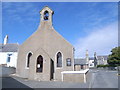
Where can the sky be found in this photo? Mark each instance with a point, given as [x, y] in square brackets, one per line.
[91, 26]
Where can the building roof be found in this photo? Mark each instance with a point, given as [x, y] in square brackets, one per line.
[48, 8]
[79, 61]
[100, 57]
[91, 58]
[9, 47]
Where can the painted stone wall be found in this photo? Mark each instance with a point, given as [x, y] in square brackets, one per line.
[47, 43]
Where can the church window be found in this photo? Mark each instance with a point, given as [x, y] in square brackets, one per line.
[28, 59]
[39, 66]
[68, 60]
[46, 15]
[59, 59]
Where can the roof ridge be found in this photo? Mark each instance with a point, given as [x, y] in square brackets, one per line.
[10, 43]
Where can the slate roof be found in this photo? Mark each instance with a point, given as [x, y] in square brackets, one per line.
[9, 47]
[91, 58]
[79, 61]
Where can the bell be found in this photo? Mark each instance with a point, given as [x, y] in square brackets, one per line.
[46, 18]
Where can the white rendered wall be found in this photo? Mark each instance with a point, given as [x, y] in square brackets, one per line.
[13, 58]
[3, 58]
[91, 62]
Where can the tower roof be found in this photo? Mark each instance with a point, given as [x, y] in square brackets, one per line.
[47, 8]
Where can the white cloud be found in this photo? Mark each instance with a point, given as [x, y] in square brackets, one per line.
[100, 40]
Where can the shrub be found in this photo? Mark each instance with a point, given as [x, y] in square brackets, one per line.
[103, 66]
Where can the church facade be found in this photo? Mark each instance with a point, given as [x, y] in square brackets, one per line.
[45, 54]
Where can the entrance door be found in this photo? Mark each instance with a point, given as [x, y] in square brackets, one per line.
[82, 67]
[52, 70]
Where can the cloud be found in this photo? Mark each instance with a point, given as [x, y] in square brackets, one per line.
[97, 15]
[100, 40]
[20, 11]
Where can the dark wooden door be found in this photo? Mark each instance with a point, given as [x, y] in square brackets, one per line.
[52, 70]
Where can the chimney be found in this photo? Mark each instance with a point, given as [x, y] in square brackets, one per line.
[95, 59]
[95, 55]
[87, 56]
[6, 40]
[86, 53]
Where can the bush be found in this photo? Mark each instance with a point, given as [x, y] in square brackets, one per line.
[104, 66]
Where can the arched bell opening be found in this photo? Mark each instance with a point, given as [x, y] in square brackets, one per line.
[46, 15]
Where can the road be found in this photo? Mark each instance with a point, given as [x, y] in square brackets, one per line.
[97, 79]
[104, 79]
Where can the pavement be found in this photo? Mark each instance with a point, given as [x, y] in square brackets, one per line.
[104, 79]
[25, 83]
[96, 79]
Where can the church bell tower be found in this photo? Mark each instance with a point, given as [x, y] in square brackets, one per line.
[46, 15]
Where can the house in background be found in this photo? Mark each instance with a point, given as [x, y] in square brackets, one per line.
[102, 60]
[91, 62]
[81, 63]
[97, 60]
[8, 53]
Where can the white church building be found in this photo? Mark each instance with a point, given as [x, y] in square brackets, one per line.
[8, 53]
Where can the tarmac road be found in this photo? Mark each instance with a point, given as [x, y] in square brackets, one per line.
[104, 79]
[98, 79]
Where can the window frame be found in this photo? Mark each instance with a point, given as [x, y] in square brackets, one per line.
[9, 57]
[27, 60]
[40, 65]
[56, 59]
[67, 62]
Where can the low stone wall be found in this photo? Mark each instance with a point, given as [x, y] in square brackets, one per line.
[6, 71]
[74, 76]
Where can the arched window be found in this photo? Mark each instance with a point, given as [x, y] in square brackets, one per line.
[46, 15]
[28, 59]
[39, 65]
[59, 59]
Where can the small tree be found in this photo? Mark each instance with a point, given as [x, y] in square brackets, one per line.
[114, 58]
